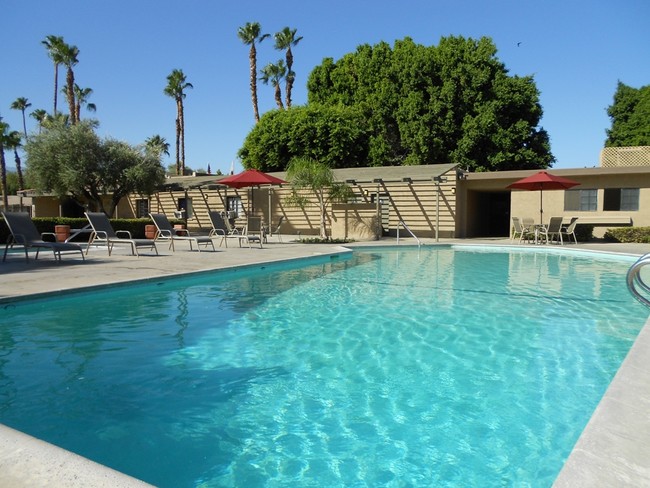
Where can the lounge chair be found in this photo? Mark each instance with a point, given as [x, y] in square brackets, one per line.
[24, 233]
[221, 228]
[570, 230]
[165, 232]
[552, 231]
[252, 232]
[521, 231]
[103, 233]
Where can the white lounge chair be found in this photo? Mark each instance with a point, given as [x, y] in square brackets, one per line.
[103, 233]
[165, 232]
[24, 233]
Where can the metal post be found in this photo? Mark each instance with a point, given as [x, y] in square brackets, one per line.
[437, 211]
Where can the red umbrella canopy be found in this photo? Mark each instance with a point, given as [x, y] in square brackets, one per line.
[250, 177]
[543, 181]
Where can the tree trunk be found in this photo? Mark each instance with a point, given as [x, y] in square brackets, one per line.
[19, 170]
[181, 120]
[3, 177]
[253, 80]
[70, 94]
[278, 96]
[56, 87]
[178, 146]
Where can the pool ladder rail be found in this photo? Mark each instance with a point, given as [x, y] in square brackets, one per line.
[402, 223]
[639, 288]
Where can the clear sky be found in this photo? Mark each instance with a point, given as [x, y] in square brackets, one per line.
[577, 51]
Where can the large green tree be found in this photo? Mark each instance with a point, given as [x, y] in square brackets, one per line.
[72, 161]
[335, 135]
[284, 40]
[250, 34]
[630, 117]
[176, 85]
[454, 102]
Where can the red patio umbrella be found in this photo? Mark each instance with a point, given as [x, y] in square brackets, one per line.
[250, 177]
[543, 181]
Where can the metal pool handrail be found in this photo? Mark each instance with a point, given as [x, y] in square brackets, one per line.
[401, 222]
[639, 288]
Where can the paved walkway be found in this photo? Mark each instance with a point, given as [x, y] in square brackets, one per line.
[614, 449]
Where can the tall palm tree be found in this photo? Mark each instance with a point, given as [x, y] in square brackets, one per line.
[176, 84]
[12, 141]
[39, 115]
[21, 104]
[283, 42]
[81, 98]
[53, 45]
[249, 34]
[69, 55]
[274, 73]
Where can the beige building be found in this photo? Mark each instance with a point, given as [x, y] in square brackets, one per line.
[425, 200]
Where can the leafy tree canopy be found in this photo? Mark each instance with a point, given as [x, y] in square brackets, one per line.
[630, 117]
[454, 102]
[334, 135]
[74, 161]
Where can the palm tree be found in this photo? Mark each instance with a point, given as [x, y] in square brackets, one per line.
[3, 166]
[21, 104]
[81, 98]
[13, 140]
[69, 56]
[176, 84]
[312, 179]
[274, 72]
[249, 34]
[156, 145]
[53, 45]
[283, 42]
[40, 116]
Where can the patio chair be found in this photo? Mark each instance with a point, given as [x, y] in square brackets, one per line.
[221, 228]
[252, 232]
[570, 230]
[103, 233]
[552, 231]
[24, 233]
[276, 231]
[521, 231]
[165, 232]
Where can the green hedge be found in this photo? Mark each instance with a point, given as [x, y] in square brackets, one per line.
[46, 224]
[628, 234]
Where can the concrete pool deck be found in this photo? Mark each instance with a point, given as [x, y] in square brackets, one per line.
[613, 450]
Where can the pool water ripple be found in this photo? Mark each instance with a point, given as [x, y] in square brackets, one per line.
[406, 367]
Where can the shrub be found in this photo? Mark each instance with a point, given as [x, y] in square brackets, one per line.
[628, 234]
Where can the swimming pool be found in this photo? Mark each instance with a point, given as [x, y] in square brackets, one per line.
[428, 367]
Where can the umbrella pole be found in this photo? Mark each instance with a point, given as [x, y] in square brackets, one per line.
[541, 207]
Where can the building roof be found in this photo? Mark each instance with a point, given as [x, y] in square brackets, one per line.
[359, 175]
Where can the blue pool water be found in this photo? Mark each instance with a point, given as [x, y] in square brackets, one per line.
[396, 367]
